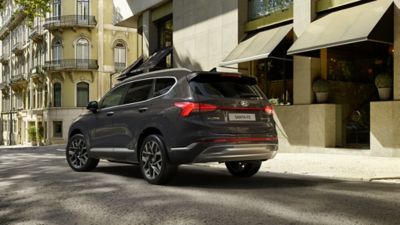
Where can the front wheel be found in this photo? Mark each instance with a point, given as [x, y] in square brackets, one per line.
[154, 164]
[77, 154]
[243, 168]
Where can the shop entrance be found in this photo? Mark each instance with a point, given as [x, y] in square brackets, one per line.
[352, 70]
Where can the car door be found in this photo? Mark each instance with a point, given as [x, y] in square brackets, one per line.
[104, 133]
[131, 117]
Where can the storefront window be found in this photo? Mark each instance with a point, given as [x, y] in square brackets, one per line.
[165, 29]
[260, 8]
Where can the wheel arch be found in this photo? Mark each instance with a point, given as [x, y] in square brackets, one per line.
[146, 132]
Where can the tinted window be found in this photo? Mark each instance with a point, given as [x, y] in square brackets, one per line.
[114, 97]
[214, 86]
[138, 91]
[163, 85]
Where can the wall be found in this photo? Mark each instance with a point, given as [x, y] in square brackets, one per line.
[203, 35]
[385, 128]
[308, 125]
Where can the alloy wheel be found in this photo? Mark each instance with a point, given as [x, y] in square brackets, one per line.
[152, 159]
[77, 153]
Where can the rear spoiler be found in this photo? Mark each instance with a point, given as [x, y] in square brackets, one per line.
[220, 75]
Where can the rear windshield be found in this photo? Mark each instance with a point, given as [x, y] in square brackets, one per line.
[216, 86]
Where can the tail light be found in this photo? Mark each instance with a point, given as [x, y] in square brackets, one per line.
[188, 107]
[269, 109]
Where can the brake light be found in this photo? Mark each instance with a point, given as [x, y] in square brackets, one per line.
[269, 109]
[188, 107]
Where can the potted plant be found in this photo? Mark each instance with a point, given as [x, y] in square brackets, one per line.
[384, 82]
[321, 89]
[32, 135]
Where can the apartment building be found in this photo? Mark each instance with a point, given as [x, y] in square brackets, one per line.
[287, 45]
[50, 71]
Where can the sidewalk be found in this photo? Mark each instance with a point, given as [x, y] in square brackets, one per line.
[353, 167]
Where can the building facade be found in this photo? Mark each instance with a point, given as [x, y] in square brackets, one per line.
[293, 47]
[50, 71]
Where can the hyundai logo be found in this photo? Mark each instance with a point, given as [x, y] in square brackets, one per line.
[244, 103]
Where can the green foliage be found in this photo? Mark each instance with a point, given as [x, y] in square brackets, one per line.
[33, 8]
[40, 132]
[384, 80]
[32, 134]
[320, 85]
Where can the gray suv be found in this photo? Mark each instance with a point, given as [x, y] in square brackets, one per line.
[162, 119]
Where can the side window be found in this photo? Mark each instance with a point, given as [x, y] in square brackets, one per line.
[163, 85]
[114, 97]
[138, 91]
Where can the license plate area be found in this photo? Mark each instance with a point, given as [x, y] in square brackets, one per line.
[242, 117]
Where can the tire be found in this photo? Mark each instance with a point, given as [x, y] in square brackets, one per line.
[243, 168]
[77, 155]
[154, 163]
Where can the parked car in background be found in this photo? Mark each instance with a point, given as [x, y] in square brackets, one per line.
[162, 119]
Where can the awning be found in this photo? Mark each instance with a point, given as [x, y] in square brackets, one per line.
[258, 46]
[343, 27]
[154, 60]
[126, 72]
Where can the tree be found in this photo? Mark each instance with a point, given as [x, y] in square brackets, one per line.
[31, 8]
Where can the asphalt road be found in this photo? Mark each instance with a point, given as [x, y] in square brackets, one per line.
[38, 187]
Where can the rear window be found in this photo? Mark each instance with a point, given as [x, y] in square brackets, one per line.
[217, 86]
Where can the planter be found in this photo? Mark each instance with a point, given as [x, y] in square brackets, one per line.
[385, 93]
[322, 97]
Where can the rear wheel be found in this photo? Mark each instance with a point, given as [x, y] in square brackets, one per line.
[243, 168]
[77, 154]
[154, 164]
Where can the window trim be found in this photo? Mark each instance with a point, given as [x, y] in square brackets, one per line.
[76, 92]
[77, 45]
[150, 99]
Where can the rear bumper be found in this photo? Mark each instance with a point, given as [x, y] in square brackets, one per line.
[206, 152]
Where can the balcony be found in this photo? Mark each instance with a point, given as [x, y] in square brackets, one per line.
[119, 66]
[71, 64]
[4, 86]
[4, 58]
[71, 21]
[37, 33]
[37, 74]
[17, 78]
[18, 48]
[261, 8]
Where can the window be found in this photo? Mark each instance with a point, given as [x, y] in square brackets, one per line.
[82, 94]
[119, 56]
[56, 8]
[82, 49]
[260, 8]
[163, 85]
[138, 91]
[57, 129]
[225, 87]
[57, 94]
[57, 50]
[165, 29]
[45, 96]
[114, 97]
[82, 7]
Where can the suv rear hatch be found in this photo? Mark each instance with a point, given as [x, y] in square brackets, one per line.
[232, 104]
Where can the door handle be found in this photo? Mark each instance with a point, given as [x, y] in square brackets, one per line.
[143, 109]
[110, 113]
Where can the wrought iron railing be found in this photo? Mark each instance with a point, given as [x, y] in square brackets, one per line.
[17, 78]
[71, 64]
[119, 66]
[260, 8]
[70, 21]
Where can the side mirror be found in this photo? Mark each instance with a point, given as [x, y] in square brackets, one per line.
[93, 106]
